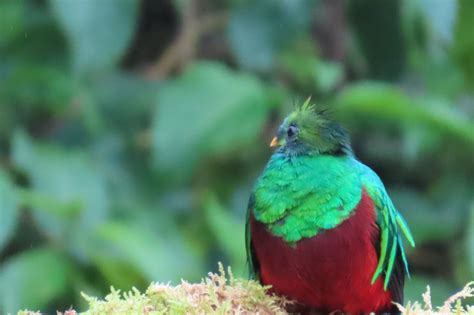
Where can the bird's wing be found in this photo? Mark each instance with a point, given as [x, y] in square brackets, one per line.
[397, 280]
[252, 261]
[390, 223]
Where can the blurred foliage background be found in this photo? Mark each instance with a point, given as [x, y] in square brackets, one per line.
[131, 132]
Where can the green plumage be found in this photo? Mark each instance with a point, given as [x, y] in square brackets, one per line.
[389, 221]
[296, 204]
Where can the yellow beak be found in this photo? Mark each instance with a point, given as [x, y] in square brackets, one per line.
[274, 142]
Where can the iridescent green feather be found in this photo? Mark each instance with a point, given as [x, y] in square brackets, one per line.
[297, 197]
[389, 221]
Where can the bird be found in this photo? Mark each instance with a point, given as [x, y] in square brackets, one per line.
[321, 229]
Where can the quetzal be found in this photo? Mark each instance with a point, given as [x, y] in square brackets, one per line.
[321, 228]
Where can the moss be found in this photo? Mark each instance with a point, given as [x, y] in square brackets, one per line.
[223, 294]
[453, 305]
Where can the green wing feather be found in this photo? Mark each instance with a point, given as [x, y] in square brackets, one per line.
[390, 222]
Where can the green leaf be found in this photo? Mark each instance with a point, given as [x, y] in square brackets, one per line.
[32, 36]
[382, 46]
[32, 280]
[470, 243]
[98, 31]
[463, 251]
[229, 233]
[11, 22]
[8, 209]
[328, 75]
[113, 93]
[310, 72]
[33, 199]
[441, 17]
[140, 254]
[209, 110]
[32, 86]
[464, 39]
[65, 181]
[381, 102]
[258, 31]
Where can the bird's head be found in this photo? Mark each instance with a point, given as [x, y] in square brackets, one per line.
[309, 130]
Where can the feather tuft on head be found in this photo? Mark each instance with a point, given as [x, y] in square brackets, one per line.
[309, 107]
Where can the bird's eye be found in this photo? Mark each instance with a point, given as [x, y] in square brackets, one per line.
[292, 131]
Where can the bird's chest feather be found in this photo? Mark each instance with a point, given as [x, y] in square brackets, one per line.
[329, 271]
[299, 197]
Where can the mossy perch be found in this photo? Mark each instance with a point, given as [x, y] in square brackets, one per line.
[223, 294]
